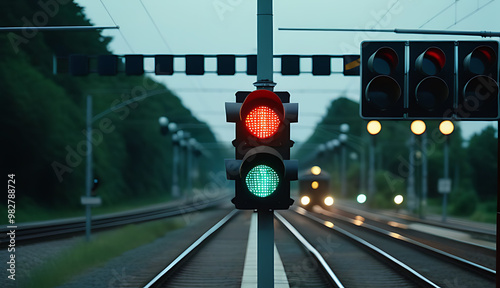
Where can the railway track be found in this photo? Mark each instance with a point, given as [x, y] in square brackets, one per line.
[477, 231]
[439, 269]
[314, 255]
[317, 250]
[27, 232]
[195, 266]
[225, 244]
[485, 256]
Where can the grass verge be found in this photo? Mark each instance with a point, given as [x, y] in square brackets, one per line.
[102, 248]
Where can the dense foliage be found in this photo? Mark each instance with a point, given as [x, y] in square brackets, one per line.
[43, 115]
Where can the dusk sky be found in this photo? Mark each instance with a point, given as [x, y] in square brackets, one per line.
[229, 26]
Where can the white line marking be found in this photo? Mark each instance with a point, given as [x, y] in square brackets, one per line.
[249, 279]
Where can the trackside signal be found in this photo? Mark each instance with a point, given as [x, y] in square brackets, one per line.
[430, 80]
[382, 79]
[262, 168]
[478, 80]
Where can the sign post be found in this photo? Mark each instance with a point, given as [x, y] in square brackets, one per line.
[444, 187]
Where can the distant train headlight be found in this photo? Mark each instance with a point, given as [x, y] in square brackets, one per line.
[305, 200]
[329, 201]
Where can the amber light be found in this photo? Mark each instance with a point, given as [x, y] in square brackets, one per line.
[374, 127]
[417, 127]
[262, 122]
[315, 185]
[446, 127]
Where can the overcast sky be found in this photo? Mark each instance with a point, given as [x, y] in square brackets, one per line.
[229, 26]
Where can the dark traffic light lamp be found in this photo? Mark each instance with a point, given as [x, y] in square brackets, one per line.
[95, 185]
[431, 79]
[382, 79]
[478, 80]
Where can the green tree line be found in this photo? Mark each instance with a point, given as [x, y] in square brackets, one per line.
[43, 115]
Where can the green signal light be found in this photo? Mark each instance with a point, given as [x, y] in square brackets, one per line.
[262, 180]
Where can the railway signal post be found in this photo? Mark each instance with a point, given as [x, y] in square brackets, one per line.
[262, 168]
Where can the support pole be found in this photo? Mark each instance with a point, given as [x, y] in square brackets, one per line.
[343, 170]
[265, 45]
[498, 202]
[265, 238]
[265, 249]
[371, 171]
[362, 175]
[424, 175]
[446, 175]
[175, 166]
[189, 170]
[411, 175]
[88, 170]
[418, 175]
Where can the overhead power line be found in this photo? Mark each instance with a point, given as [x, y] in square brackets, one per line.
[470, 14]
[156, 26]
[121, 33]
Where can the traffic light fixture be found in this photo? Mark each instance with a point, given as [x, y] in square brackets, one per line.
[429, 80]
[382, 79]
[478, 80]
[262, 168]
[95, 185]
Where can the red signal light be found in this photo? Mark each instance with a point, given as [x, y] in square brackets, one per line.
[431, 62]
[480, 60]
[262, 122]
[384, 61]
[262, 113]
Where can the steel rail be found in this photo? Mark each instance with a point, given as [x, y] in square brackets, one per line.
[53, 228]
[190, 249]
[331, 275]
[458, 260]
[421, 280]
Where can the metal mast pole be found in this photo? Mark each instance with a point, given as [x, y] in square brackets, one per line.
[175, 166]
[189, 172]
[343, 170]
[371, 171]
[265, 235]
[362, 175]
[424, 175]
[88, 170]
[446, 174]
[411, 175]
[265, 45]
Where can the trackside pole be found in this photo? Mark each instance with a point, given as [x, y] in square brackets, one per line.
[265, 249]
[88, 170]
[265, 234]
